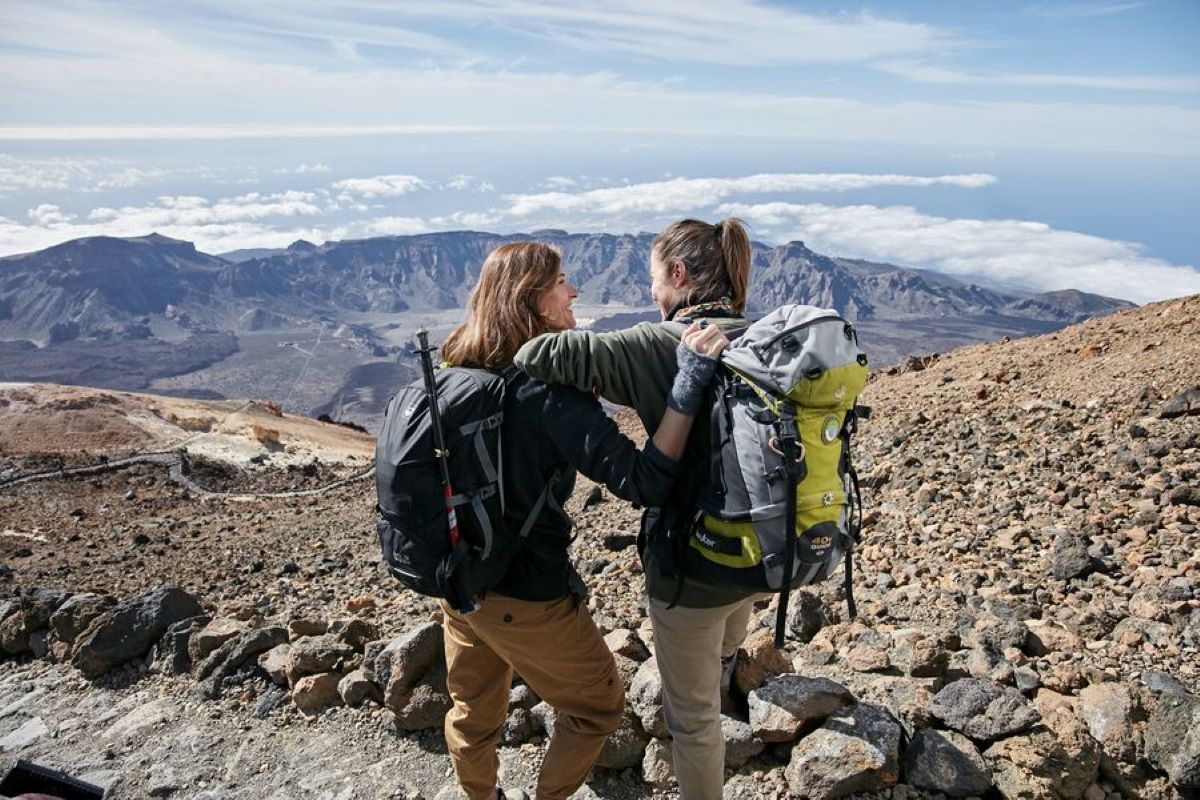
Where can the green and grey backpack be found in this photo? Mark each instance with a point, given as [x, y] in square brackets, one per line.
[781, 505]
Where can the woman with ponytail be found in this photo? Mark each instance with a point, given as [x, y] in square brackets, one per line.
[698, 272]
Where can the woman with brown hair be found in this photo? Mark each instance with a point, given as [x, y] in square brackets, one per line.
[533, 621]
[698, 271]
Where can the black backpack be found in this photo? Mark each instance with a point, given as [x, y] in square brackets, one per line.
[412, 526]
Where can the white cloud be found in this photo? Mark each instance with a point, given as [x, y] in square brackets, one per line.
[928, 73]
[305, 169]
[1021, 253]
[681, 194]
[469, 183]
[391, 226]
[380, 186]
[47, 215]
[559, 182]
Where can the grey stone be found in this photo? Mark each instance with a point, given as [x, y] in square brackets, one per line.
[229, 657]
[127, 631]
[26, 734]
[354, 631]
[1069, 556]
[215, 633]
[658, 765]
[32, 612]
[741, 744]
[983, 710]
[174, 653]
[519, 727]
[425, 704]
[857, 749]
[522, 696]
[1162, 683]
[946, 762]
[312, 655]
[76, 613]
[1186, 403]
[645, 698]
[356, 689]
[1173, 739]
[406, 658]
[919, 655]
[1109, 710]
[784, 705]
[806, 615]
[625, 746]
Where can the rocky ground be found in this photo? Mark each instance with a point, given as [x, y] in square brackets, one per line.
[1028, 589]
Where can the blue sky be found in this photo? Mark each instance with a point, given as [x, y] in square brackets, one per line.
[1040, 145]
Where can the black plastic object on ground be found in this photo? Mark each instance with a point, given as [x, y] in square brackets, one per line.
[28, 778]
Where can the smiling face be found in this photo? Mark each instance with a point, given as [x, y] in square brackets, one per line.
[555, 303]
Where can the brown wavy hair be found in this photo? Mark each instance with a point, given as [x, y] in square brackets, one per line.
[717, 257]
[502, 313]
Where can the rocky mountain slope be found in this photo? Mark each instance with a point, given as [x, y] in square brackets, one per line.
[1028, 588]
[104, 286]
[152, 313]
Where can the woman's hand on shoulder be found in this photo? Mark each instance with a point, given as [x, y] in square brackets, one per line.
[704, 339]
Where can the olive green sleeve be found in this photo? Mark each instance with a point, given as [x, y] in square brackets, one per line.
[631, 367]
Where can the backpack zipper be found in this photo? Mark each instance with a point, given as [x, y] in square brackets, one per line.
[758, 348]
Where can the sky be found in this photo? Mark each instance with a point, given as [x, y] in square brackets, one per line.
[1033, 146]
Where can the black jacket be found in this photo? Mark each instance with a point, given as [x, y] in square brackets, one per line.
[550, 427]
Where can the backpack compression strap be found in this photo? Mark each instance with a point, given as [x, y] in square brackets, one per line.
[793, 458]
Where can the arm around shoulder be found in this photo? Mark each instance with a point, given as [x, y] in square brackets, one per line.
[612, 362]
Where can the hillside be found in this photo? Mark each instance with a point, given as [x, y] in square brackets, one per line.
[1032, 511]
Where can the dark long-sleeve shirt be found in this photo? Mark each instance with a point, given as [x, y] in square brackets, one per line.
[553, 427]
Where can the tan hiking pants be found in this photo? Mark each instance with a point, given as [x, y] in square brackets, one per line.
[557, 650]
[689, 644]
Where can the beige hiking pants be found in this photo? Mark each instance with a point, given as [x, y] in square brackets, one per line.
[558, 651]
[689, 644]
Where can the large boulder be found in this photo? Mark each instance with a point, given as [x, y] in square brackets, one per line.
[127, 631]
[983, 710]
[784, 705]
[857, 749]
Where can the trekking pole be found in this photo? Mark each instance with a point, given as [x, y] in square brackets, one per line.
[439, 439]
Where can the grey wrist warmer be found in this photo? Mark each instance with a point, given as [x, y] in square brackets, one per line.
[695, 371]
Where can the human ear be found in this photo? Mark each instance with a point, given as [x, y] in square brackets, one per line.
[679, 274]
